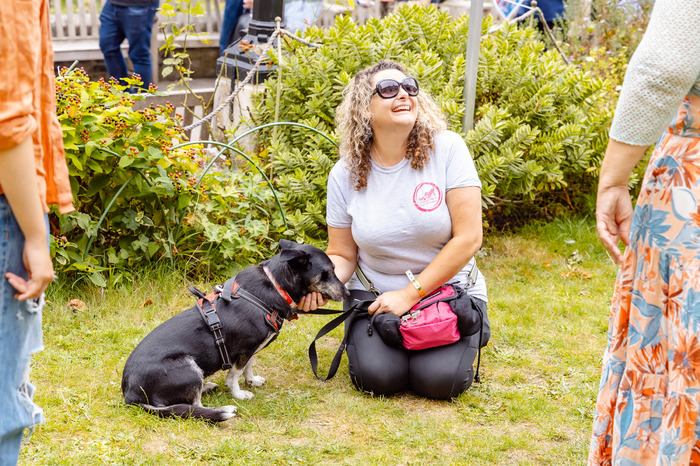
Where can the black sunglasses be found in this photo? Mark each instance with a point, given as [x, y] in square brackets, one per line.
[388, 88]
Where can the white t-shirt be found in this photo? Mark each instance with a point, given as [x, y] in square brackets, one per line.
[400, 221]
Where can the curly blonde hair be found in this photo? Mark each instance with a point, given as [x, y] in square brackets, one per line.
[354, 124]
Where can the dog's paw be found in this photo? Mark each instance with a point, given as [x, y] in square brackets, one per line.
[209, 387]
[242, 394]
[256, 381]
[227, 412]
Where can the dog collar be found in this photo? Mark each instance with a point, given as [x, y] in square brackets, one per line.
[282, 293]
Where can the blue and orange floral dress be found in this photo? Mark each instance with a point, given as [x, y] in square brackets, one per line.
[650, 389]
[647, 407]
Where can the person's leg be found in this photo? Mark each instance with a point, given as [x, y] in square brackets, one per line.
[9, 447]
[20, 335]
[443, 372]
[374, 367]
[137, 23]
[232, 11]
[447, 371]
[111, 38]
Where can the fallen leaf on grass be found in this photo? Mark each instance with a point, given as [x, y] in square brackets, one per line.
[577, 273]
[76, 305]
[148, 302]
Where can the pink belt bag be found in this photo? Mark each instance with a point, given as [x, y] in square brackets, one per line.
[439, 319]
[431, 322]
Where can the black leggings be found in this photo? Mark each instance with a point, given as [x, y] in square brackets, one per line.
[441, 373]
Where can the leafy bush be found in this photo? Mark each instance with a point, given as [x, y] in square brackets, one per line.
[610, 27]
[140, 195]
[540, 126]
[601, 36]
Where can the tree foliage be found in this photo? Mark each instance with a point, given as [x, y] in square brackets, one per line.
[540, 128]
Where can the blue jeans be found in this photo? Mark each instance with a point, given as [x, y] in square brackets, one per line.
[20, 336]
[232, 11]
[134, 24]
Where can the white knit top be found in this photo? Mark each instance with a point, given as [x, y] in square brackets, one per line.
[663, 69]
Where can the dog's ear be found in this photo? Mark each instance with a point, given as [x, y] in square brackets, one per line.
[286, 244]
[297, 256]
[290, 252]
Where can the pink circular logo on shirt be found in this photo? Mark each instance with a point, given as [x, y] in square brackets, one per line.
[427, 197]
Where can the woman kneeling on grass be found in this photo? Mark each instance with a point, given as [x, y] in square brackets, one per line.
[404, 196]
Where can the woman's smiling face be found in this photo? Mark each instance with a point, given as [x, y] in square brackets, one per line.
[399, 111]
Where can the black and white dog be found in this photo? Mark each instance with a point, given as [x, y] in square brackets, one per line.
[165, 373]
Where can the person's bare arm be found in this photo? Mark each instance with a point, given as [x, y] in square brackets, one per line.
[18, 181]
[343, 252]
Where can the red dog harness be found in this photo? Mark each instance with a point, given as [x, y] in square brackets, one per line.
[206, 304]
[206, 308]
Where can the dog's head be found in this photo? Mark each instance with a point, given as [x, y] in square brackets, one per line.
[309, 269]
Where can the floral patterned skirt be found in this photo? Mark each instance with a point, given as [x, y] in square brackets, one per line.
[647, 408]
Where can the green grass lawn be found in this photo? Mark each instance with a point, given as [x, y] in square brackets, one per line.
[549, 291]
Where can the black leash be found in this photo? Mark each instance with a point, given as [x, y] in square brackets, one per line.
[477, 378]
[335, 364]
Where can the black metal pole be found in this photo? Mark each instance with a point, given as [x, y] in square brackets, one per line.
[239, 57]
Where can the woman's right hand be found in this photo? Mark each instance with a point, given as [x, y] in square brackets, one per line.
[613, 214]
[37, 262]
[311, 302]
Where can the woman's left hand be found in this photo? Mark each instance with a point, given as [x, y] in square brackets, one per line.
[397, 302]
[311, 302]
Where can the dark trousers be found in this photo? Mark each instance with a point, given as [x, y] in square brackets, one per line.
[440, 373]
[134, 24]
[232, 12]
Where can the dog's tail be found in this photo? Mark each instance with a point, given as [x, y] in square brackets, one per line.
[219, 414]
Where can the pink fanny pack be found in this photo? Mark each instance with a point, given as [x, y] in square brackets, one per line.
[431, 322]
